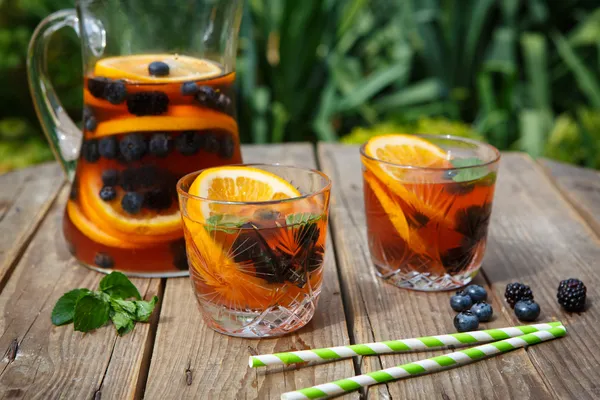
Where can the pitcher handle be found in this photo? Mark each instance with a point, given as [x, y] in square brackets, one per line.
[60, 130]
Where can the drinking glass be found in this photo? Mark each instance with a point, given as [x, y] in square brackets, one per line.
[256, 267]
[427, 227]
[158, 103]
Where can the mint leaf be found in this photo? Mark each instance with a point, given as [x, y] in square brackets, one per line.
[471, 174]
[123, 322]
[118, 286]
[91, 312]
[123, 306]
[144, 309]
[301, 218]
[65, 306]
[223, 223]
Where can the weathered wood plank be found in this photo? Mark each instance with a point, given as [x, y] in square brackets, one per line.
[192, 361]
[581, 186]
[380, 311]
[25, 196]
[56, 362]
[539, 239]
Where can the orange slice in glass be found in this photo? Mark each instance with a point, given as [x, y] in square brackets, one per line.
[135, 68]
[147, 227]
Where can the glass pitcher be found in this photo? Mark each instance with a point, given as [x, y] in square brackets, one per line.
[158, 103]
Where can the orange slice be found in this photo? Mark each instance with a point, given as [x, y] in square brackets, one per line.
[407, 150]
[135, 68]
[145, 227]
[179, 118]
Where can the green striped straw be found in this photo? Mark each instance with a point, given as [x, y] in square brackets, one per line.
[424, 366]
[394, 346]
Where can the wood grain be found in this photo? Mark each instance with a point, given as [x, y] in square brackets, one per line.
[57, 362]
[192, 361]
[581, 186]
[537, 238]
[379, 311]
[25, 196]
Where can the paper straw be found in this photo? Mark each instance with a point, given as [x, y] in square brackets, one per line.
[424, 366]
[394, 346]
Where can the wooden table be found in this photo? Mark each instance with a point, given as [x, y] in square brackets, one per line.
[545, 228]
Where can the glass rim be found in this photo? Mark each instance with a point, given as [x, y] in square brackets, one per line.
[474, 142]
[326, 187]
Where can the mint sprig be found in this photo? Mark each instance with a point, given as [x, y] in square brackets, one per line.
[301, 218]
[89, 310]
[470, 174]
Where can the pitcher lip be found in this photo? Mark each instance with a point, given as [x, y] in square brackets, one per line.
[325, 188]
[496, 157]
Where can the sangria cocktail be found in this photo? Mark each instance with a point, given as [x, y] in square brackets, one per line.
[428, 201]
[255, 240]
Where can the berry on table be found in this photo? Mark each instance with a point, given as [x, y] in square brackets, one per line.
[158, 68]
[160, 144]
[517, 291]
[107, 147]
[103, 260]
[461, 301]
[571, 294]
[476, 292]
[483, 311]
[527, 310]
[108, 193]
[466, 321]
[189, 88]
[115, 92]
[132, 202]
[133, 147]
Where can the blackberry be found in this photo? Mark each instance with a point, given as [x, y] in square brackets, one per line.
[110, 177]
[97, 85]
[115, 92]
[103, 260]
[158, 199]
[107, 147]
[207, 96]
[132, 202]
[160, 144]
[189, 143]
[90, 124]
[89, 150]
[158, 68]
[148, 103]
[108, 193]
[144, 177]
[133, 147]
[227, 147]
[516, 292]
[223, 102]
[571, 295]
[189, 88]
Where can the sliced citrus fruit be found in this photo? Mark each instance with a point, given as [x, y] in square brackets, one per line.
[147, 226]
[407, 150]
[237, 184]
[178, 118]
[135, 68]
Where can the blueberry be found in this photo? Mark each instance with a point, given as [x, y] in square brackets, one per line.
[158, 68]
[103, 260]
[97, 86]
[132, 202]
[108, 193]
[483, 311]
[466, 321]
[160, 144]
[211, 143]
[87, 112]
[227, 147]
[148, 103]
[477, 293]
[133, 147]
[107, 147]
[115, 92]
[90, 124]
[460, 302]
[527, 310]
[89, 150]
[189, 88]
[158, 199]
[110, 177]
[188, 143]
[207, 96]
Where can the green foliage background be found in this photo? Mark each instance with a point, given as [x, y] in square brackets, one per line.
[521, 74]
